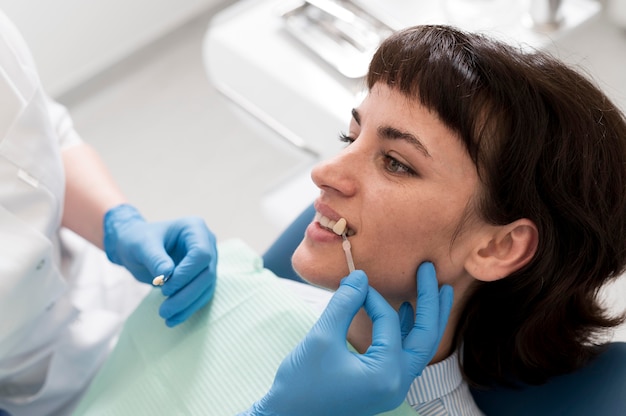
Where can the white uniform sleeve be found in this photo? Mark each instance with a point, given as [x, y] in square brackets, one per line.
[22, 71]
[62, 123]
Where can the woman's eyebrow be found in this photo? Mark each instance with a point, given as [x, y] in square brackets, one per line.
[391, 133]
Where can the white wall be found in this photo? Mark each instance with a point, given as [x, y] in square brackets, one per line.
[73, 40]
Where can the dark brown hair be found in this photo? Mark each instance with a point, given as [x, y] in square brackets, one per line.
[548, 146]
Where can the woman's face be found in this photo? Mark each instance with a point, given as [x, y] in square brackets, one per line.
[404, 183]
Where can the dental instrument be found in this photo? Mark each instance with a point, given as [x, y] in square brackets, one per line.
[342, 33]
[160, 280]
[347, 249]
[340, 228]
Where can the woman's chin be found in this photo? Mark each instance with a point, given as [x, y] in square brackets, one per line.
[324, 268]
[318, 276]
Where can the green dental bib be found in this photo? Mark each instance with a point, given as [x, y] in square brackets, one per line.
[218, 362]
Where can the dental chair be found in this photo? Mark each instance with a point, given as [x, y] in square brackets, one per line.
[599, 389]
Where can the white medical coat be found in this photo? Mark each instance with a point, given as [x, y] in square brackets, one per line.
[59, 313]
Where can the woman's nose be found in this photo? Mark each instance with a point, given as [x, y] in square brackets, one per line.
[337, 173]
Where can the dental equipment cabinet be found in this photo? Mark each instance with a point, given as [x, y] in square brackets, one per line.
[296, 66]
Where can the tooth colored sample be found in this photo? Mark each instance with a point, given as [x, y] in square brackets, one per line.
[340, 226]
[158, 281]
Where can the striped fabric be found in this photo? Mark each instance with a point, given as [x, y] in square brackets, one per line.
[440, 391]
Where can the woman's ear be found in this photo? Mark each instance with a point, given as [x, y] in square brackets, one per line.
[503, 250]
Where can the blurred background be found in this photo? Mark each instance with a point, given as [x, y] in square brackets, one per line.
[220, 108]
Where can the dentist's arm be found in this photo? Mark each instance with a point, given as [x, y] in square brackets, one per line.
[90, 192]
[322, 377]
[183, 249]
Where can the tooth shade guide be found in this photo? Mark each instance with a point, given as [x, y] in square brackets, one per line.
[159, 280]
[347, 248]
[340, 227]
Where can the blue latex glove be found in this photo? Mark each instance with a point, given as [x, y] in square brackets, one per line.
[183, 249]
[322, 377]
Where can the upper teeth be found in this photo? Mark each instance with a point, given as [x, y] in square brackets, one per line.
[338, 227]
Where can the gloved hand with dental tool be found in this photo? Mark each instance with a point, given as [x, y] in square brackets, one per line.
[183, 251]
[321, 376]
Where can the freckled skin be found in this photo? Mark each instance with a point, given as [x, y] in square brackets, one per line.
[400, 220]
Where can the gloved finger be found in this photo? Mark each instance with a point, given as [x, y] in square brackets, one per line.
[150, 260]
[407, 318]
[423, 337]
[343, 305]
[197, 304]
[386, 327]
[194, 266]
[198, 251]
[187, 296]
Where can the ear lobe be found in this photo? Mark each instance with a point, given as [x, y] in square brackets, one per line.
[504, 251]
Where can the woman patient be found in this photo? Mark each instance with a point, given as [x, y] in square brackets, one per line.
[505, 169]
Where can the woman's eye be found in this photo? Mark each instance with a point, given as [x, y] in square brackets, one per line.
[394, 166]
[345, 138]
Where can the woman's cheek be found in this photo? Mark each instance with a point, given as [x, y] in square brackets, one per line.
[397, 287]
